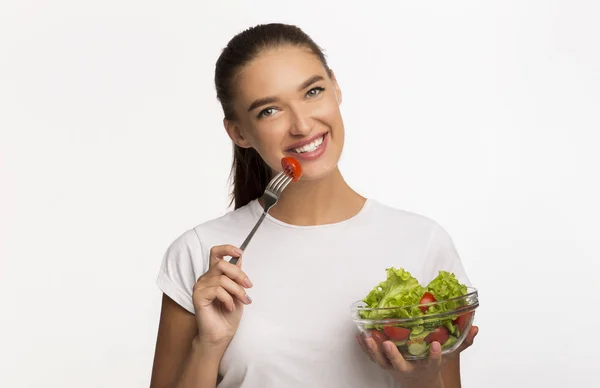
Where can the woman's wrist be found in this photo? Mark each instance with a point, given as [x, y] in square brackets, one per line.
[208, 351]
[433, 382]
[202, 365]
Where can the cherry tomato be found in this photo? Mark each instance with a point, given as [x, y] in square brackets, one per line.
[378, 336]
[462, 321]
[396, 333]
[440, 335]
[426, 298]
[292, 167]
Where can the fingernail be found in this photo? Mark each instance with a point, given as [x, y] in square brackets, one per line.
[389, 347]
[436, 347]
[248, 299]
[247, 283]
[237, 251]
[373, 345]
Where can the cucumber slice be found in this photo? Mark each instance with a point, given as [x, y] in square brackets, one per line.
[400, 343]
[417, 348]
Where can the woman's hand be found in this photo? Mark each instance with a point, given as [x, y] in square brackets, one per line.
[413, 374]
[219, 297]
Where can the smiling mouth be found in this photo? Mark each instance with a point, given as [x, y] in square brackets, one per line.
[313, 145]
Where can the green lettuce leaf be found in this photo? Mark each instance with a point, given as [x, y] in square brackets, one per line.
[400, 289]
[445, 286]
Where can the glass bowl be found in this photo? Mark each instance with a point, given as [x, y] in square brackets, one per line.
[413, 328]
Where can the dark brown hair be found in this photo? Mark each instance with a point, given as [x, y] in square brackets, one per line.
[250, 173]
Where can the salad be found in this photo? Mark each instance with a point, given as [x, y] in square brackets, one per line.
[429, 310]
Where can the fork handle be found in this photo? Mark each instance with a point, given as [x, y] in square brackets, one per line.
[234, 260]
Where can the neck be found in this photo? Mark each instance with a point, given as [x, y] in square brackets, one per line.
[325, 201]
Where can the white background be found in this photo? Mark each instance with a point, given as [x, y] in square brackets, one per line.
[483, 115]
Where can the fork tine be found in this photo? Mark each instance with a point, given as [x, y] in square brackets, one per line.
[282, 184]
[287, 182]
[276, 180]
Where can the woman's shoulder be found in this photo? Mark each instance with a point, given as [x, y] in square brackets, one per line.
[230, 217]
[439, 250]
[386, 213]
[221, 228]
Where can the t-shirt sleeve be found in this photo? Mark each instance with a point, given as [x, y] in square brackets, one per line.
[182, 264]
[442, 256]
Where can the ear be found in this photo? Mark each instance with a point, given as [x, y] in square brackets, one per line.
[338, 91]
[235, 134]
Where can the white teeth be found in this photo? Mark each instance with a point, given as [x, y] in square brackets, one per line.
[313, 145]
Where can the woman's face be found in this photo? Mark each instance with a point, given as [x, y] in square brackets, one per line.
[286, 104]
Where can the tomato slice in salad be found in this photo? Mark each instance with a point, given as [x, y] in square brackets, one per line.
[462, 321]
[378, 336]
[396, 333]
[440, 334]
[426, 298]
[292, 167]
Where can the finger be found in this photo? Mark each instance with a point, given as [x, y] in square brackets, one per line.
[363, 346]
[224, 297]
[377, 354]
[469, 339]
[231, 287]
[218, 252]
[208, 295]
[473, 333]
[395, 358]
[233, 272]
[435, 354]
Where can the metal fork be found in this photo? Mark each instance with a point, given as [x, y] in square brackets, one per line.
[270, 197]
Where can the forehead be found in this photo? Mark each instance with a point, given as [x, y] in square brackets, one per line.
[276, 72]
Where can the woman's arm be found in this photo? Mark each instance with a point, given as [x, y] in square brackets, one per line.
[179, 360]
[451, 372]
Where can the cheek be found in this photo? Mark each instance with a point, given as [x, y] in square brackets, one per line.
[268, 140]
[327, 111]
[262, 133]
[270, 133]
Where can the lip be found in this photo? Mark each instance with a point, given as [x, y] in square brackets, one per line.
[312, 155]
[304, 142]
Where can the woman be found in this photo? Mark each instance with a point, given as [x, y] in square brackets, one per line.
[322, 246]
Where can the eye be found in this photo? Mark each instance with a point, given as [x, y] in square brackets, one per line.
[266, 112]
[314, 91]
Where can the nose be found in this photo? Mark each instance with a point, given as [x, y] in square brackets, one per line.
[301, 121]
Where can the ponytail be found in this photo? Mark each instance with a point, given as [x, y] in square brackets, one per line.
[250, 176]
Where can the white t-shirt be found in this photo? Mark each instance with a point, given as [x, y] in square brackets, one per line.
[298, 330]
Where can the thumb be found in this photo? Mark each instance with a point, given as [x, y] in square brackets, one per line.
[435, 354]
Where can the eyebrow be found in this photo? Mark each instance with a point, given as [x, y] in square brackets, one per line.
[310, 81]
[270, 100]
